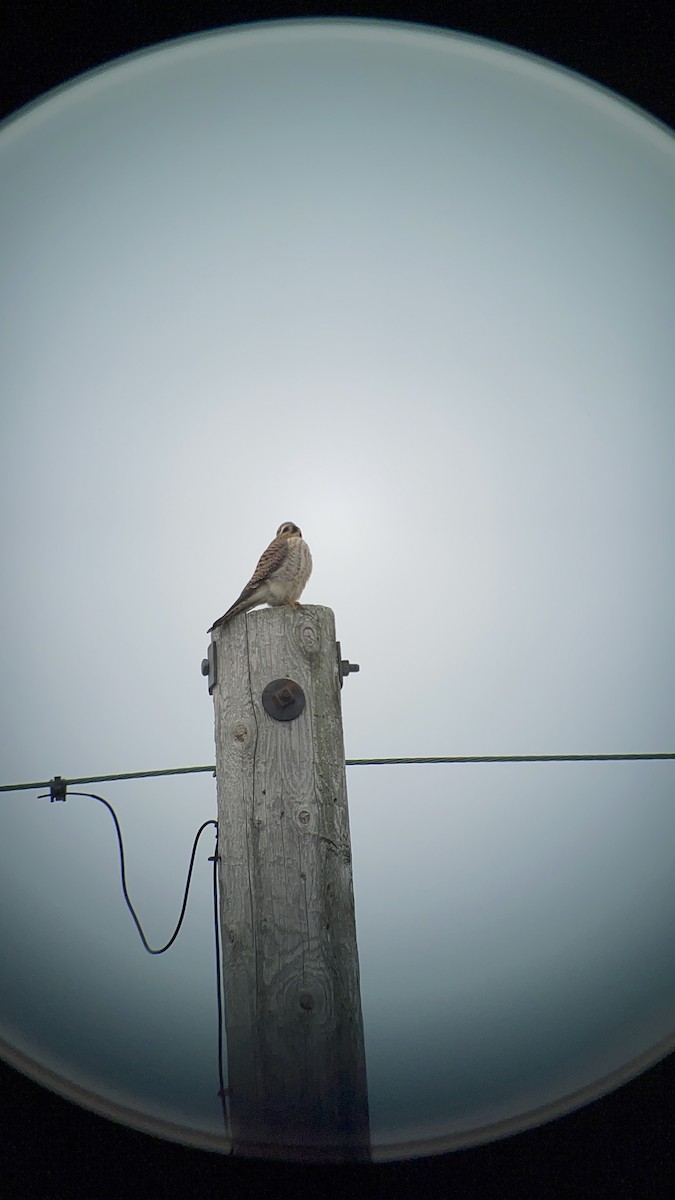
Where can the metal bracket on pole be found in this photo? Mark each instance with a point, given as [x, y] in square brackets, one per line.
[344, 666]
[210, 666]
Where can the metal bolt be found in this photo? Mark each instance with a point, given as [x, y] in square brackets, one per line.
[344, 666]
[283, 699]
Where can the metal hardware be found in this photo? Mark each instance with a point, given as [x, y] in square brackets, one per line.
[344, 666]
[283, 699]
[57, 789]
[210, 666]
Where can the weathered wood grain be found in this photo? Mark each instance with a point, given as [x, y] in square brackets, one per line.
[296, 1064]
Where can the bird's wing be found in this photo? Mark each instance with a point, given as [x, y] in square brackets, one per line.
[270, 560]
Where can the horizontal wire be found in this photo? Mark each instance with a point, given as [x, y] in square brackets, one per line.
[21, 787]
[506, 758]
[349, 762]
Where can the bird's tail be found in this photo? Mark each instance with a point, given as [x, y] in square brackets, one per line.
[231, 612]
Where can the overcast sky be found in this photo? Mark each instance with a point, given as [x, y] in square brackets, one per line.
[413, 292]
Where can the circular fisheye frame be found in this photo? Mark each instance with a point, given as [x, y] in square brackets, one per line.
[414, 290]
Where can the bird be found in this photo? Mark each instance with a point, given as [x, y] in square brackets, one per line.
[280, 576]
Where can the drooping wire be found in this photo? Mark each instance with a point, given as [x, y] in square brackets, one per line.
[150, 949]
[223, 1092]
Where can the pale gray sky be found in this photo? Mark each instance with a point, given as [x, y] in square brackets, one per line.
[414, 292]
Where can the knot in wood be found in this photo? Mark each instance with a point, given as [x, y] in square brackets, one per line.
[304, 816]
[306, 1001]
[240, 732]
[309, 639]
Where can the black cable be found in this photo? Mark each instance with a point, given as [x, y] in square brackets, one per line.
[223, 1092]
[148, 947]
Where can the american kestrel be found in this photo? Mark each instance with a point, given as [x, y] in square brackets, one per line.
[280, 576]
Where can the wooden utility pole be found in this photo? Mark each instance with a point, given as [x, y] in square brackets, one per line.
[295, 1052]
